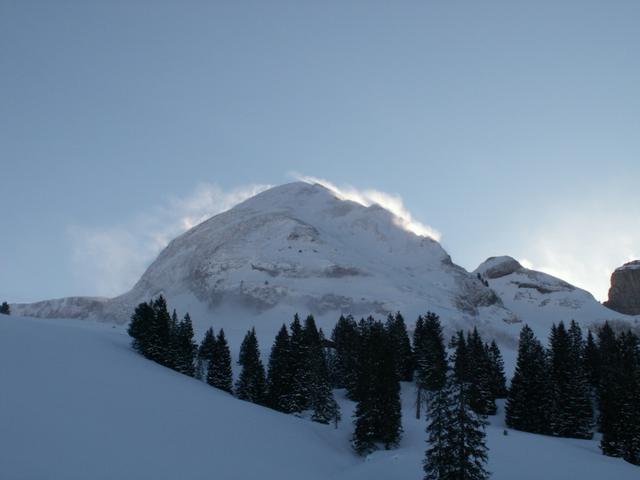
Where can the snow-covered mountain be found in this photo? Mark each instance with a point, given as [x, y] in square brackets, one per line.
[298, 247]
[301, 248]
[540, 299]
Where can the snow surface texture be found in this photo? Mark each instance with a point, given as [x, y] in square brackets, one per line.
[78, 403]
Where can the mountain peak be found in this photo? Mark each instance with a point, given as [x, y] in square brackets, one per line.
[496, 267]
[289, 195]
[303, 247]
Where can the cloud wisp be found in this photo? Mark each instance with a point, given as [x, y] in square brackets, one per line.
[368, 197]
[111, 259]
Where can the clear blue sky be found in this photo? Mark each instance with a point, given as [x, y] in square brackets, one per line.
[512, 127]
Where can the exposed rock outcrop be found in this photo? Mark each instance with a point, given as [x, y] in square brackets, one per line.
[624, 294]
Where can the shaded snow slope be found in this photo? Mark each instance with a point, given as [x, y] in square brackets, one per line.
[77, 403]
[540, 299]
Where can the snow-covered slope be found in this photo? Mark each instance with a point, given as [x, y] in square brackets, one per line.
[540, 299]
[299, 247]
[77, 403]
[68, 307]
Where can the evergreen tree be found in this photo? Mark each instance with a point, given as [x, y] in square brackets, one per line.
[583, 396]
[184, 348]
[378, 411]
[430, 356]
[219, 372]
[591, 361]
[471, 366]
[325, 408]
[628, 417]
[345, 338]
[301, 376]
[5, 309]
[206, 352]
[159, 333]
[439, 458]
[172, 356]
[618, 393]
[405, 361]
[467, 437]
[608, 390]
[570, 408]
[280, 374]
[251, 385]
[139, 328]
[498, 379]
[479, 376]
[528, 400]
[461, 358]
[457, 448]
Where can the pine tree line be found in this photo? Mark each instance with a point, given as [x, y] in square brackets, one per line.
[554, 391]
[367, 358]
[616, 381]
[550, 391]
[480, 365]
[298, 377]
[163, 338]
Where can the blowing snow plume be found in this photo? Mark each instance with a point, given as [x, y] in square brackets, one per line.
[388, 201]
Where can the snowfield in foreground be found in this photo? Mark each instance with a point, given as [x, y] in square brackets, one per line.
[78, 403]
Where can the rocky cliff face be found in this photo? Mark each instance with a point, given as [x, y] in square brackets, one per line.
[624, 294]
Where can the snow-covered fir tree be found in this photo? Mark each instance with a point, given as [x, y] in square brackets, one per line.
[456, 433]
[479, 375]
[324, 406]
[251, 384]
[498, 378]
[378, 411]
[205, 353]
[183, 348]
[570, 409]
[301, 376]
[140, 327]
[430, 356]
[528, 401]
[280, 374]
[346, 340]
[219, 373]
[402, 346]
[608, 390]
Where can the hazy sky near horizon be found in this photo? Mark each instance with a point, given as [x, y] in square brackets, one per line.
[510, 127]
